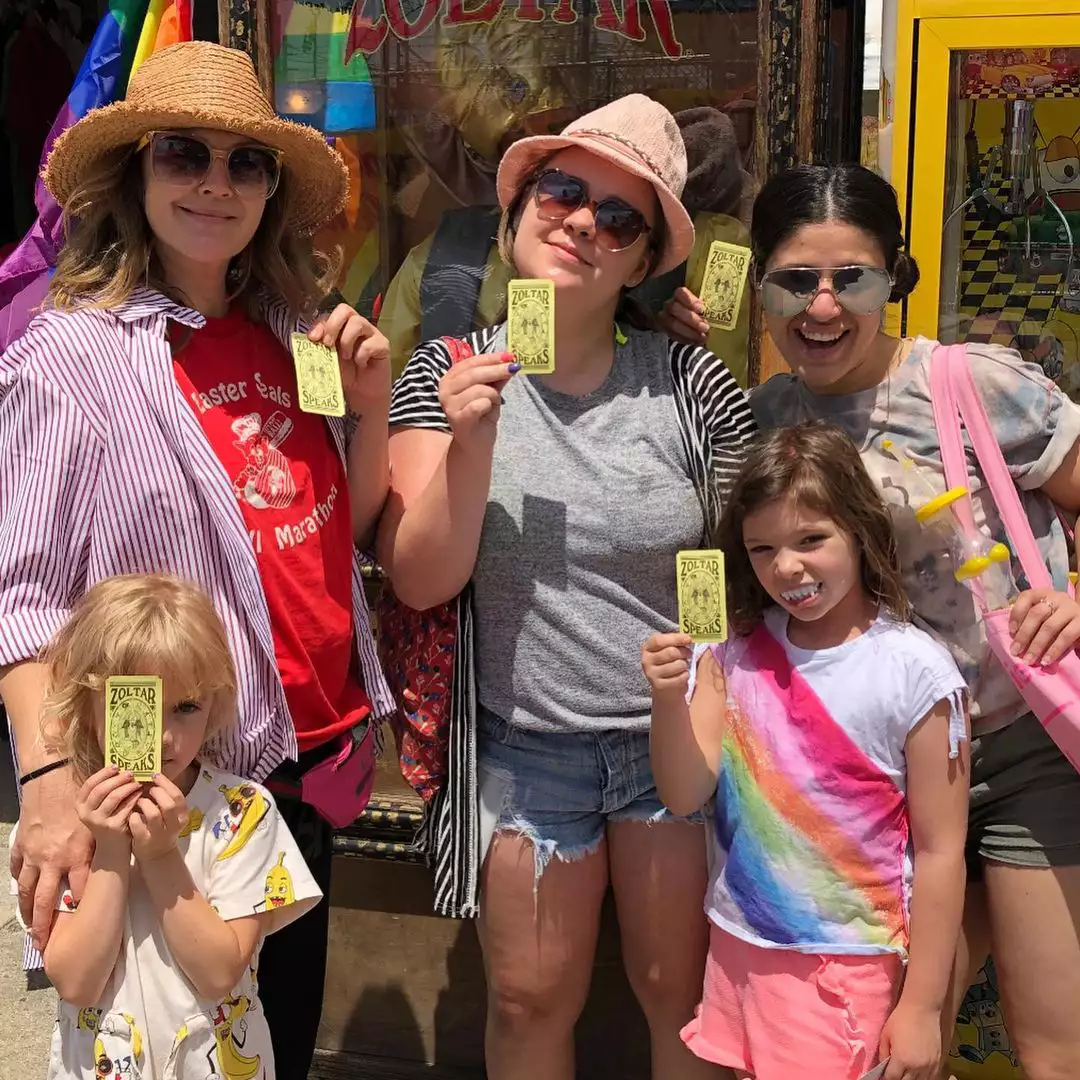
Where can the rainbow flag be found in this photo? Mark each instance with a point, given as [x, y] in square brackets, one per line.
[167, 22]
[129, 31]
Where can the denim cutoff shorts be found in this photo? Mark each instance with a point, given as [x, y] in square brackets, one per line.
[561, 789]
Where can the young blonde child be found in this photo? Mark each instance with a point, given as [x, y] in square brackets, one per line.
[156, 964]
[833, 736]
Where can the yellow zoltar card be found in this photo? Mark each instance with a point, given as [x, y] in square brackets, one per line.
[722, 285]
[530, 324]
[702, 592]
[318, 377]
[133, 724]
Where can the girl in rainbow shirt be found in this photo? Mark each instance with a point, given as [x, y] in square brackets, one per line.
[833, 735]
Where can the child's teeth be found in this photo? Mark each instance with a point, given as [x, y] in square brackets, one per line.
[811, 336]
[800, 594]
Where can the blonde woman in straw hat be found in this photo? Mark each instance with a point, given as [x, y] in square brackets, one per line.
[558, 503]
[149, 421]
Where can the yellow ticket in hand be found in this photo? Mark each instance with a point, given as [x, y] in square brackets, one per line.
[318, 377]
[702, 592]
[726, 270]
[133, 724]
[530, 324]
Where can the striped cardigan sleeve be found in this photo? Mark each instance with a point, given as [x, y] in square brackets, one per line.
[49, 461]
[715, 421]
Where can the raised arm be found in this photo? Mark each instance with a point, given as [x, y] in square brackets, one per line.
[85, 940]
[685, 740]
[430, 529]
[212, 953]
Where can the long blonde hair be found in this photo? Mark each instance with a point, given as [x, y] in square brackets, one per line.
[108, 247]
[134, 624]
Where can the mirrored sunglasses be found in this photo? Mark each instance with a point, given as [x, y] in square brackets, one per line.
[618, 225]
[861, 290]
[254, 170]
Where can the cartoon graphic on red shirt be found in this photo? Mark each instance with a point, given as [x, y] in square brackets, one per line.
[266, 481]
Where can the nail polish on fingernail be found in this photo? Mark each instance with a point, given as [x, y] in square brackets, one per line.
[514, 368]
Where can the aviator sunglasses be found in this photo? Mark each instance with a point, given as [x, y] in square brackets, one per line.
[618, 225]
[254, 170]
[860, 290]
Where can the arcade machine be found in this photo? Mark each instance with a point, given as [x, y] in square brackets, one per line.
[980, 135]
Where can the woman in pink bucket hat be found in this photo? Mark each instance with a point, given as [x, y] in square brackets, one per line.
[555, 505]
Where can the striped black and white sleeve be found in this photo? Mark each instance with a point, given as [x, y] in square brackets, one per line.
[720, 408]
[414, 401]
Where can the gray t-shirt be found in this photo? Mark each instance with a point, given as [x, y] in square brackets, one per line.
[591, 497]
[1036, 426]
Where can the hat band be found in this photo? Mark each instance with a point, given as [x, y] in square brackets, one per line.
[623, 144]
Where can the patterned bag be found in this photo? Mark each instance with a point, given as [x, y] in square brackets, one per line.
[417, 649]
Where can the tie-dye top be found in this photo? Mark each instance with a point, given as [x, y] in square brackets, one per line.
[811, 837]
[1036, 426]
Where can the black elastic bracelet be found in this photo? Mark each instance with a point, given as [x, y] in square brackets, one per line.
[51, 767]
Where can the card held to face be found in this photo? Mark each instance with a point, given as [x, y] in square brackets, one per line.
[318, 377]
[530, 324]
[726, 270]
[702, 593]
[133, 724]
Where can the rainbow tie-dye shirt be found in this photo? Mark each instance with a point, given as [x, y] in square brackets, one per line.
[811, 823]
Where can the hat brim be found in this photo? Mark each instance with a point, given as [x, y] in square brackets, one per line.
[522, 158]
[315, 174]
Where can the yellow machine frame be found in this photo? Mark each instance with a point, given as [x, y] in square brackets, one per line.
[920, 106]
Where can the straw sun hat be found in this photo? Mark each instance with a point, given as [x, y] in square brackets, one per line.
[635, 133]
[198, 84]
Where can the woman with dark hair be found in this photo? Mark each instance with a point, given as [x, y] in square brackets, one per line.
[828, 249]
[558, 502]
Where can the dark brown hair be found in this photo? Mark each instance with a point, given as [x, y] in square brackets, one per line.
[815, 194]
[818, 466]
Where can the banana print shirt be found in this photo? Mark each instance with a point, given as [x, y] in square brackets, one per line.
[150, 1023]
[1036, 426]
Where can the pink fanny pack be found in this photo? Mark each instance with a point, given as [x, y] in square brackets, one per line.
[1053, 692]
[340, 787]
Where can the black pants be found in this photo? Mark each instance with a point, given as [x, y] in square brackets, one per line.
[292, 964]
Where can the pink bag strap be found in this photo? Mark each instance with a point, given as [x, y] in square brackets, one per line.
[954, 397]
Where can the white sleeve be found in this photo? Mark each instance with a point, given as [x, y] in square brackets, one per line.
[260, 868]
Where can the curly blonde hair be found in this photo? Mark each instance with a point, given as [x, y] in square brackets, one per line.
[818, 466]
[135, 624]
[108, 247]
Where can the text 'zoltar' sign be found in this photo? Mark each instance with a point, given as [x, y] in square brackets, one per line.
[367, 35]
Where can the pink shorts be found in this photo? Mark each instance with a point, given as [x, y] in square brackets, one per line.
[770, 1011]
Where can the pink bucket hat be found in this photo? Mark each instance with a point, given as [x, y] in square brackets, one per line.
[635, 133]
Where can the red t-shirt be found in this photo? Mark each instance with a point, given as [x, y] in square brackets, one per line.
[290, 483]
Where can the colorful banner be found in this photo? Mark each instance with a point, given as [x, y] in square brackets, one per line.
[318, 78]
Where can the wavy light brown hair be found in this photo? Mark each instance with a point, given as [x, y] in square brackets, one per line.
[134, 624]
[108, 247]
[818, 466]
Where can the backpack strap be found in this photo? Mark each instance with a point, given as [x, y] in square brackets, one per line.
[455, 270]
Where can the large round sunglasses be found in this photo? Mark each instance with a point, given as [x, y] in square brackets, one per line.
[183, 160]
[618, 225]
[861, 290]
